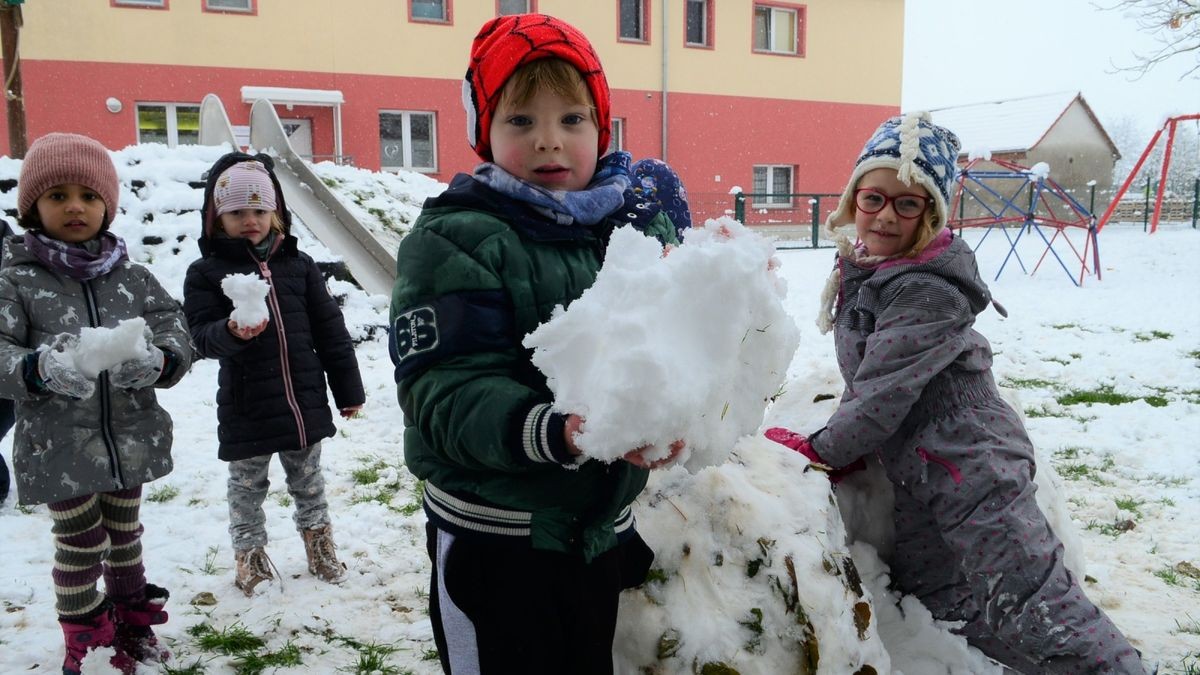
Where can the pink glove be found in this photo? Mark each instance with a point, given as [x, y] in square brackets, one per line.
[800, 444]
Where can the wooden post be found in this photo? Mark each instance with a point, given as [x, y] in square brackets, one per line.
[10, 29]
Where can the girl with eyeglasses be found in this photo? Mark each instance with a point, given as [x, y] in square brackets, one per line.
[970, 540]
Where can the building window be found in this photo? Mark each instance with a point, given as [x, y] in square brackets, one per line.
[434, 11]
[171, 124]
[617, 140]
[698, 28]
[408, 140]
[151, 4]
[779, 29]
[772, 185]
[242, 6]
[515, 7]
[633, 18]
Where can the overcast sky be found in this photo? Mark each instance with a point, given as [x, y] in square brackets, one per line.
[970, 51]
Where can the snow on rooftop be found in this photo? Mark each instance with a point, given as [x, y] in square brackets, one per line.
[1002, 126]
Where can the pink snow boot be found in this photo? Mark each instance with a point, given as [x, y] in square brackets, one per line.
[134, 619]
[83, 635]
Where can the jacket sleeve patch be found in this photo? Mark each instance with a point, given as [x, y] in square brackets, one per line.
[458, 323]
[414, 332]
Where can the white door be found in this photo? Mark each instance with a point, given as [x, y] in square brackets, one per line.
[299, 132]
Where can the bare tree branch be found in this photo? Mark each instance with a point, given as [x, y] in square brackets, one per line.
[1175, 26]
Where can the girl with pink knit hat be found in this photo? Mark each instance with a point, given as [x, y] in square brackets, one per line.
[86, 442]
[271, 396]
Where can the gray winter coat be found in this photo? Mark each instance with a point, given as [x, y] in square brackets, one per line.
[117, 438]
[971, 541]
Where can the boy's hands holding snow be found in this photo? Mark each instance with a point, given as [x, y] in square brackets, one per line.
[56, 367]
[245, 332]
[140, 372]
[645, 457]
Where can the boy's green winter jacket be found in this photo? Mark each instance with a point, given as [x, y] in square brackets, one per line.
[477, 273]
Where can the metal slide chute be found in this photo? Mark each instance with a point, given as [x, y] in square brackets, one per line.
[307, 196]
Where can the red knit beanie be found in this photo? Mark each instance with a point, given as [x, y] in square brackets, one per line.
[506, 43]
[58, 159]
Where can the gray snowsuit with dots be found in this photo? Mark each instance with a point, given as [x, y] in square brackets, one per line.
[971, 542]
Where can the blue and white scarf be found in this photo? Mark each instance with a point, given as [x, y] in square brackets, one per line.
[603, 195]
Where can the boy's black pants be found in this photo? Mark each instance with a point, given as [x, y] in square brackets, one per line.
[501, 607]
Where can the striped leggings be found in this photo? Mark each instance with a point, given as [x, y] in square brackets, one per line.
[93, 535]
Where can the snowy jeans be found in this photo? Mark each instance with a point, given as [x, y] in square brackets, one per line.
[247, 490]
[93, 535]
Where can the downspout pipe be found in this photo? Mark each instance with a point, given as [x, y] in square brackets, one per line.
[665, 50]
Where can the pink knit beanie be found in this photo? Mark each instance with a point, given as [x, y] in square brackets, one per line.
[245, 185]
[58, 159]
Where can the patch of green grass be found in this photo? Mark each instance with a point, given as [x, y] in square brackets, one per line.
[163, 494]
[429, 654]
[254, 663]
[1103, 394]
[1152, 335]
[1083, 470]
[1059, 360]
[1108, 396]
[1026, 383]
[373, 660]
[233, 639]
[1130, 504]
[380, 490]
[1034, 413]
[1066, 453]
[194, 668]
[1113, 529]
[1169, 576]
[1065, 326]
[1075, 356]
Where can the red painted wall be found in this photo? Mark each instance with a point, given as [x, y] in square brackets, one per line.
[709, 135]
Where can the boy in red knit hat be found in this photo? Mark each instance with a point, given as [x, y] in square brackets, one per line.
[531, 543]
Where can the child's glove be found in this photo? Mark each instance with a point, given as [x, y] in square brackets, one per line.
[57, 369]
[802, 445]
[138, 373]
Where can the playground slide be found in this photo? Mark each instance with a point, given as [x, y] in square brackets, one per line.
[308, 198]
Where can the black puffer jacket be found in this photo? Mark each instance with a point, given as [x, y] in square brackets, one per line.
[272, 388]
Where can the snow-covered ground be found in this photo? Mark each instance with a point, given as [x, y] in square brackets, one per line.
[1130, 472]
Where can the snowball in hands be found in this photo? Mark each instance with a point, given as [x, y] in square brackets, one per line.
[690, 346]
[102, 348]
[248, 293]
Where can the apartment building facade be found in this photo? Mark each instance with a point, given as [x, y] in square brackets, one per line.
[767, 95]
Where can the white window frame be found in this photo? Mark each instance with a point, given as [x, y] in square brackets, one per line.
[140, 3]
[642, 15]
[792, 14]
[617, 139]
[771, 188]
[406, 162]
[705, 28]
[172, 119]
[248, 9]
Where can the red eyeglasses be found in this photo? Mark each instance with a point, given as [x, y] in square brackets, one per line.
[870, 200]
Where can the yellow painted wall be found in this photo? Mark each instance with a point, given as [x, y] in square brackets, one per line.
[375, 37]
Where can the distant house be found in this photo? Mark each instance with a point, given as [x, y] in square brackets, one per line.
[1058, 129]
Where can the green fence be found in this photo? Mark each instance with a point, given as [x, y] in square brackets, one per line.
[793, 216]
